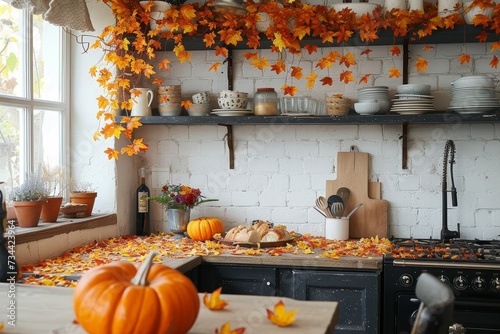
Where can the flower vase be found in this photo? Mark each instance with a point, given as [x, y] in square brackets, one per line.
[178, 220]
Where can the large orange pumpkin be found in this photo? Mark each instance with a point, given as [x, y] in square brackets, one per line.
[204, 228]
[118, 298]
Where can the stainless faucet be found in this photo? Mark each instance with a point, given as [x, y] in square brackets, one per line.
[446, 234]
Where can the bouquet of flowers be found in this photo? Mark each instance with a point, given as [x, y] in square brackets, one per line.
[180, 197]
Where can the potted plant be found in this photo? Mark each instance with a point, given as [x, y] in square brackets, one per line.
[54, 179]
[28, 199]
[83, 193]
[178, 201]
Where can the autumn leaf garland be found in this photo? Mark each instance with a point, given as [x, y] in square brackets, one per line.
[130, 46]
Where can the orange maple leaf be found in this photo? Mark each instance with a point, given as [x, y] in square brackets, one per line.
[346, 77]
[251, 55]
[348, 60]
[164, 64]
[394, 72]
[279, 66]
[495, 46]
[134, 148]
[186, 104]
[214, 67]
[483, 36]
[214, 302]
[395, 50]
[421, 64]
[226, 329]
[261, 63]
[280, 316]
[289, 90]
[311, 79]
[464, 58]
[494, 62]
[112, 153]
[311, 48]
[221, 51]
[209, 39]
[366, 52]
[428, 47]
[364, 78]
[296, 72]
[327, 81]
[481, 20]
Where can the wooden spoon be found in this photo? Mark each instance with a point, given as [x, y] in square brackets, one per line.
[322, 204]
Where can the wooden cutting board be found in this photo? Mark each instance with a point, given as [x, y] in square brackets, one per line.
[352, 172]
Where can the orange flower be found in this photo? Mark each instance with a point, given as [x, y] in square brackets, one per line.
[214, 302]
[280, 316]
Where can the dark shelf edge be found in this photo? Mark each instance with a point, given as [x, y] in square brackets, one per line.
[442, 118]
[461, 34]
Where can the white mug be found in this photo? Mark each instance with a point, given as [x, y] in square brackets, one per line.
[141, 103]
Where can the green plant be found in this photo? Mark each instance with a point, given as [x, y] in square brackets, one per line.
[33, 189]
[180, 197]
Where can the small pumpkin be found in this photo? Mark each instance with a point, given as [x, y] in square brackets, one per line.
[204, 228]
[118, 298]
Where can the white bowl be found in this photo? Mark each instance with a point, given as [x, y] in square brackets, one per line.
[201, 109]
[418, 89]
[367, 108]
[230, 103]
[359, 8]
[232, 93]
[471, 11]
[474, 81]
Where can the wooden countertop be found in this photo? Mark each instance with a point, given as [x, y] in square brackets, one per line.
[41, 309]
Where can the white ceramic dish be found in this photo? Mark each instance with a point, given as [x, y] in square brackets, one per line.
[418, 89]
[474, 81]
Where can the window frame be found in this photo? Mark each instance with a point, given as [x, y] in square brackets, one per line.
[30, 104]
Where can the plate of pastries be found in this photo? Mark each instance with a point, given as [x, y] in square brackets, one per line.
[260, 233]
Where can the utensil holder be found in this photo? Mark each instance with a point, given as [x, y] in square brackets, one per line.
[337, 228]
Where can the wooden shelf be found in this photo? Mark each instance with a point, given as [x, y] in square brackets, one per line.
[438, 118]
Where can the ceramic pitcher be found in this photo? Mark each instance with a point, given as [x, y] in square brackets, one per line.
[141, 104]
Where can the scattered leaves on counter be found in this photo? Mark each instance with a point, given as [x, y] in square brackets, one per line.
[66, 269]
[1, 326]
[214, 302]
[280, 316]
[226, 329]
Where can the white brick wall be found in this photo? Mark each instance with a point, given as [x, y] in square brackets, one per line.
[280, 170]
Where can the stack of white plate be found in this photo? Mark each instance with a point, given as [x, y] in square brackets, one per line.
[413, 104]
[376, 93]
[474, 95]
[413, 99]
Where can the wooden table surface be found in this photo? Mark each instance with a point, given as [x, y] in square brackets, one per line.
[41, 309]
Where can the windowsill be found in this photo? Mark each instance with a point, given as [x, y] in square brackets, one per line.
[62, 226]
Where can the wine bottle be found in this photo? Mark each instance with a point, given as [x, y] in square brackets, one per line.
[143, 226]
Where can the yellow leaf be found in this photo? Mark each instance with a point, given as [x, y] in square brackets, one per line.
[278, 41]
[261, 63]
[346, 77]
[226, 329]
[280, 316]
[214, 302]
[348, 60]
[311, 79]
[296, 72]
[112, 154]
[186, 104]
[188, 11]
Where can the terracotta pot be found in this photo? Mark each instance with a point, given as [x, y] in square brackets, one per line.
[84, 198]
[50, 209]
[28, 213]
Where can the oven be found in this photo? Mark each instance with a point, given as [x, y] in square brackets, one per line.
[470, 268]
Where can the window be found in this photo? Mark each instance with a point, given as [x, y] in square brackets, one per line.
[34, 104]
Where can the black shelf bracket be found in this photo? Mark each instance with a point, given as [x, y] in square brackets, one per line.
[404, 146]
[230, 144]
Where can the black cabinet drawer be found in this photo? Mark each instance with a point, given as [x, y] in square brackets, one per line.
[240, 280]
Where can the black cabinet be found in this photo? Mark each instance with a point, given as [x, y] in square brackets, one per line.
[358, 295]
[238, 280]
